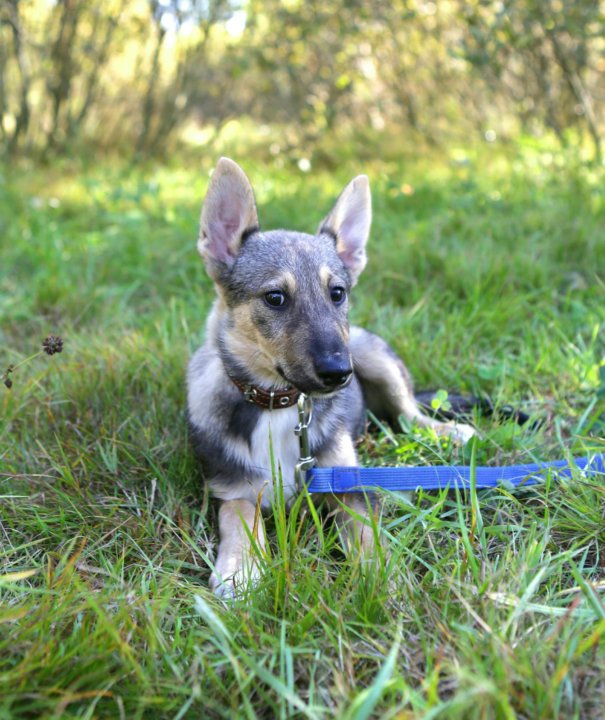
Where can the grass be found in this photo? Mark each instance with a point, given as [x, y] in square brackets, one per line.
[486, 274]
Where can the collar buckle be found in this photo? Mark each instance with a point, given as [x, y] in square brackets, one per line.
[267, 399]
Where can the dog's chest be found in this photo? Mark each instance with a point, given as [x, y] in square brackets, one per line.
[274, 446]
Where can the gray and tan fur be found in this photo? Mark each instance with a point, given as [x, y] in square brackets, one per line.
[280, 321]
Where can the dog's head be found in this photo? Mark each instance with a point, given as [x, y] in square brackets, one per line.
[284, 294]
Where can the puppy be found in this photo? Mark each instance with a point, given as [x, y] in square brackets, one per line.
[279, 327]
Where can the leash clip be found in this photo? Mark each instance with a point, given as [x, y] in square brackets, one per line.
[305, 460]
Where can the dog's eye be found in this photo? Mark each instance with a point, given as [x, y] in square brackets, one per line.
[275, 298]
[337, 295]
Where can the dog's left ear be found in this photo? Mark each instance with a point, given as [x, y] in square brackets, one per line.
[349, 222]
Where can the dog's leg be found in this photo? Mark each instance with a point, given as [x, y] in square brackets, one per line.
[354, 520]
[387, 386]
[235, 567]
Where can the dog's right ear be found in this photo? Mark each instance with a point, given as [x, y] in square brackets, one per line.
[228, 212]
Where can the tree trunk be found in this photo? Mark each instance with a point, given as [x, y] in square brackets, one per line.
[23, 116]
[63, 66]
[92, 81]
[149, 102]
[579, 91]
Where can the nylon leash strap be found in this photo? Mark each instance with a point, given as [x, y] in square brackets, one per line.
[435, 477]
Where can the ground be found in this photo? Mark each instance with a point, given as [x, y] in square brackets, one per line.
[485, 273]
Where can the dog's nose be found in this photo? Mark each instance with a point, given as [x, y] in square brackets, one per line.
[333, 371]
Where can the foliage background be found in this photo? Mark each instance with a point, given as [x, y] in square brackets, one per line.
[141, 77]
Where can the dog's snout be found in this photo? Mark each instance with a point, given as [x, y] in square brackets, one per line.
[333, 371]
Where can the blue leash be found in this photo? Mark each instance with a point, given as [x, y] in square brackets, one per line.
[438, 477]
[435, 477]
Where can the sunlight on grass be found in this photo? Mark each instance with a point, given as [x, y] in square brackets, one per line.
[485, 273]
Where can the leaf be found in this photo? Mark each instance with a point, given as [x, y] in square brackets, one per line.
[601, 388]
[16, 576]
[440, 401]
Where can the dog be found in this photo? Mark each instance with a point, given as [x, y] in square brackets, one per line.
[278, 328]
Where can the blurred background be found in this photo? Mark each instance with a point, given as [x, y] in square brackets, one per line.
[298, 80]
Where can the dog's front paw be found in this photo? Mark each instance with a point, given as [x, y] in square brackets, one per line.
[233, 582]
[223, 588]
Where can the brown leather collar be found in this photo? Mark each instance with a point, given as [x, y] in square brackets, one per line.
[271, 400]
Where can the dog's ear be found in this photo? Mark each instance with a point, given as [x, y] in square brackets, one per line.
[349, 222]
[228, 212]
